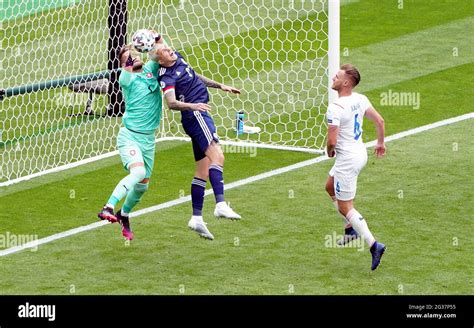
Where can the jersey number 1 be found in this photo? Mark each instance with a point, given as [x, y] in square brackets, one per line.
[357, 131]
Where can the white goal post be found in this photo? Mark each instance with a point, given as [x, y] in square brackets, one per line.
[58, 90]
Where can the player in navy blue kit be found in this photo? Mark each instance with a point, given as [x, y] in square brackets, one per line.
[186, 91]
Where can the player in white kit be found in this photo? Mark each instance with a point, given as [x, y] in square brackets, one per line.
[344, 141]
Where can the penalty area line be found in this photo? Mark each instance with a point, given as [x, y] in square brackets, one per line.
[34, 244]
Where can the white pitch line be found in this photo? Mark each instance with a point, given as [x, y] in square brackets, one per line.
[35, 243]
[231, 185]
[45, 240]
[78, 163]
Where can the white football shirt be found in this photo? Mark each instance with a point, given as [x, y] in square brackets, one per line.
[348, 113]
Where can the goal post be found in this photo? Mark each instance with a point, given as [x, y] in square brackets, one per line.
[280, 53]
[334, 39]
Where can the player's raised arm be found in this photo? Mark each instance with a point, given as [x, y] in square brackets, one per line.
[213, 84]
[375, 117]
[159, 39]
[173, 103]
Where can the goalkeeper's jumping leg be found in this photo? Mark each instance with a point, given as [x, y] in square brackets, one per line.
[123, 188]
[132, 199]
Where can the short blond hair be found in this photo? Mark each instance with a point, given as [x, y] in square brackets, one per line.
[352, 72]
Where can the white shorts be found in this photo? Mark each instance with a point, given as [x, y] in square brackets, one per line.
[345, 173]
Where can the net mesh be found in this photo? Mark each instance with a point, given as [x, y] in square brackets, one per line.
[274, 50]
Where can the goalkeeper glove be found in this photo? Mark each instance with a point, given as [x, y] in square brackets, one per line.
[129, 62]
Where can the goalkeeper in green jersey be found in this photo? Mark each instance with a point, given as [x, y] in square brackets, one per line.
[136, 138]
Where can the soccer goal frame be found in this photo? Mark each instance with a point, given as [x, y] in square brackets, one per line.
[333, 64]
[271, 49]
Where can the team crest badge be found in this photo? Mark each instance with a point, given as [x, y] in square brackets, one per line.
[149, 75]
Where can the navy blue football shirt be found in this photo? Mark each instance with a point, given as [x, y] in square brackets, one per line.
[187, 85]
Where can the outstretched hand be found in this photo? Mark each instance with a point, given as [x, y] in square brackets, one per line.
[201, 107]
[156, 35]
[129, 62]
[226, 88]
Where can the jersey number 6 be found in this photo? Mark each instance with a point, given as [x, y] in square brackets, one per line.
[357, 131]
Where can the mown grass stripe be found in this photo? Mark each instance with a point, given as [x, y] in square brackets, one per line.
[413, 55]
[71, 232]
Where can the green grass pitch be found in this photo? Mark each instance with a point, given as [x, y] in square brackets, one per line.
[417, 200]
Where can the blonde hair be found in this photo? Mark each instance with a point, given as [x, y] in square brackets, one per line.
[352, 72]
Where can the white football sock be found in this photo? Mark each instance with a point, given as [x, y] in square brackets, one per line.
[360, 225]
[198, 218]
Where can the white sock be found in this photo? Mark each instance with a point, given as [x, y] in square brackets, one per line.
[124, 213]
[197, 218]
[346, 223]
[360, 225]
[110, 205]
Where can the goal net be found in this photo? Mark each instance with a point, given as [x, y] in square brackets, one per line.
[275, 51]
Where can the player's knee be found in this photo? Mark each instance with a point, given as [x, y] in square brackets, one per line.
[344, 208]
[342, 211]
[220, 159]
[139, 172]
[215, 154]
[141, 187]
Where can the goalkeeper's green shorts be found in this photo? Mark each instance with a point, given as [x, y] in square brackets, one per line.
[135, 147]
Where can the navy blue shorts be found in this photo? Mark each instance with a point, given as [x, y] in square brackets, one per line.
[202, 131]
